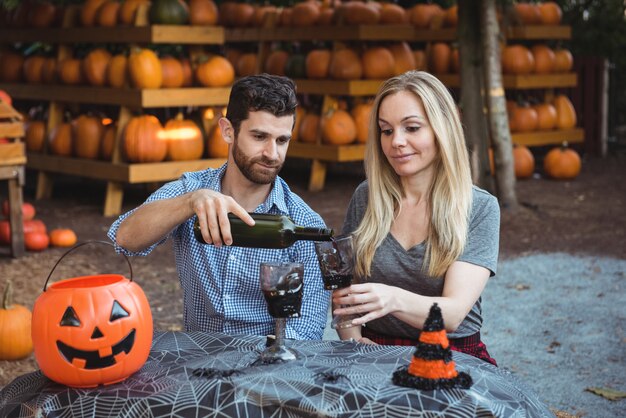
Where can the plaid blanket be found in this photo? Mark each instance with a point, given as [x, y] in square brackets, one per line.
[471, 345]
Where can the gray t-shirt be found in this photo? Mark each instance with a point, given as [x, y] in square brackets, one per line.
[395, 266]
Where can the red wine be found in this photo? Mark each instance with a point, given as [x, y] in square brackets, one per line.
[337, 281]
[284, 303]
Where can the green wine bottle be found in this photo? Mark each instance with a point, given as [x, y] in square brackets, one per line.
[269, 231]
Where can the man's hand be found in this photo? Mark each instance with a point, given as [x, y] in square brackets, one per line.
[212, 209]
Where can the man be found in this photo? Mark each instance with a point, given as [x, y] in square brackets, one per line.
[221, 290]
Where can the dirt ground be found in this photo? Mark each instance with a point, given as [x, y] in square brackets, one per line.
[585, 216]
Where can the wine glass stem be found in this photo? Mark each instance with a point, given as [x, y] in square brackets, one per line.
[280, 331]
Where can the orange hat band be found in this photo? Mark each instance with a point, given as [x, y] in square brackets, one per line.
[432, 369]
[435, 338]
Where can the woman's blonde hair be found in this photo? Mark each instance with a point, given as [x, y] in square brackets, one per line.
[450, 194]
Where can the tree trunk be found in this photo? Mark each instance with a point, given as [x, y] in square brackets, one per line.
[496, 107]
[472, 94]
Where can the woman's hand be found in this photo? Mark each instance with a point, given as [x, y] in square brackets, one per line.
[371, 300]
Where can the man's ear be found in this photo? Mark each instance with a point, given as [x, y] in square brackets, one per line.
[227, 130]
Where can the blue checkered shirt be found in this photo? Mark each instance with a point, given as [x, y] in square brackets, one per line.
[221, 290]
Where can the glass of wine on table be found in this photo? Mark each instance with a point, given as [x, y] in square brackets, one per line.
[282, 286]
[336, 259]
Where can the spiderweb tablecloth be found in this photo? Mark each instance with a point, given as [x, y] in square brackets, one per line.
[200, 374]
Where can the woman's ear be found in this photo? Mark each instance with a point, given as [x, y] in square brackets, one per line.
[227, 130]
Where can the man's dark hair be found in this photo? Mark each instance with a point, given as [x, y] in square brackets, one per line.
[271, 93]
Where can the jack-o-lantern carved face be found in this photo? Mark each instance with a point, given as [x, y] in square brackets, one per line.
[92, 359]
[91, 330]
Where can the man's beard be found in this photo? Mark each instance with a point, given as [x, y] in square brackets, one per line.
[247, 168]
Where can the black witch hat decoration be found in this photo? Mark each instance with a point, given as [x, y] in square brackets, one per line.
[432, 366]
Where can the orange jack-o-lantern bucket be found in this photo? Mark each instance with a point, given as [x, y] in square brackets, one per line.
[91, 330]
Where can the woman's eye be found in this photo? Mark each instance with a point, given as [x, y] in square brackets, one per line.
[386, 132]
[412, 128]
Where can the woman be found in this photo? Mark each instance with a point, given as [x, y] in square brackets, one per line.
[423, 233]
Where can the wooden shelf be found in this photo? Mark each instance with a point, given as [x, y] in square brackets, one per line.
[530, 81]
[539, 32]
[338, 87]
[540, 138]
[336, 153]
[161, 34]
[120, 172]
[192, 96]
[340, 33]
[12, 153]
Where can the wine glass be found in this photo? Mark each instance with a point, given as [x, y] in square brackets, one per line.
[336, 259]
[282, 285]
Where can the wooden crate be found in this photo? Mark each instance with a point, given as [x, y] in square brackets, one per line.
[12, 160]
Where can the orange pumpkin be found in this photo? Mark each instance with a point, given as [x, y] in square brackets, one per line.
[87, 134]
[215, 71]
[562, 163]
[527, 13]
[305, 14]
[117, 70]
[128, 10]
[563, 60]
[345, 64]
[70, 71]
[203, 13]
[424, 16]
[243, 14]
[172, 73]
[440, 58]
[15, 328]
[36, 241]
[187, 72]
[60, 140]
[33, 69]
[81, 326]
[261, 14]
[392, 14]
[403, 58]
[62, 237]
[421, 63]
[451, 18]
[544, 59]
[317, 63]
[95, 66]
[184, 139]
[246, 64]
[41, 14]
[300, 113]
[546, 114]
[276, 61]
[523, 161]
[358, 13]
[28, 210]
[145, 69]
[338, 128]
[378, 63]
[88, 12]
[309, 128]
[49, 71]
[144, 140]
[361, 114]
[107, 143]
[565, 113]
[216, 146]
[11, 68]
[107, 15]
[524, 119]
[550, 13]
[517, 59]
[35, 135]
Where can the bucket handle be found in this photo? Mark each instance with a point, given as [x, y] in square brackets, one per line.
[78, 246]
